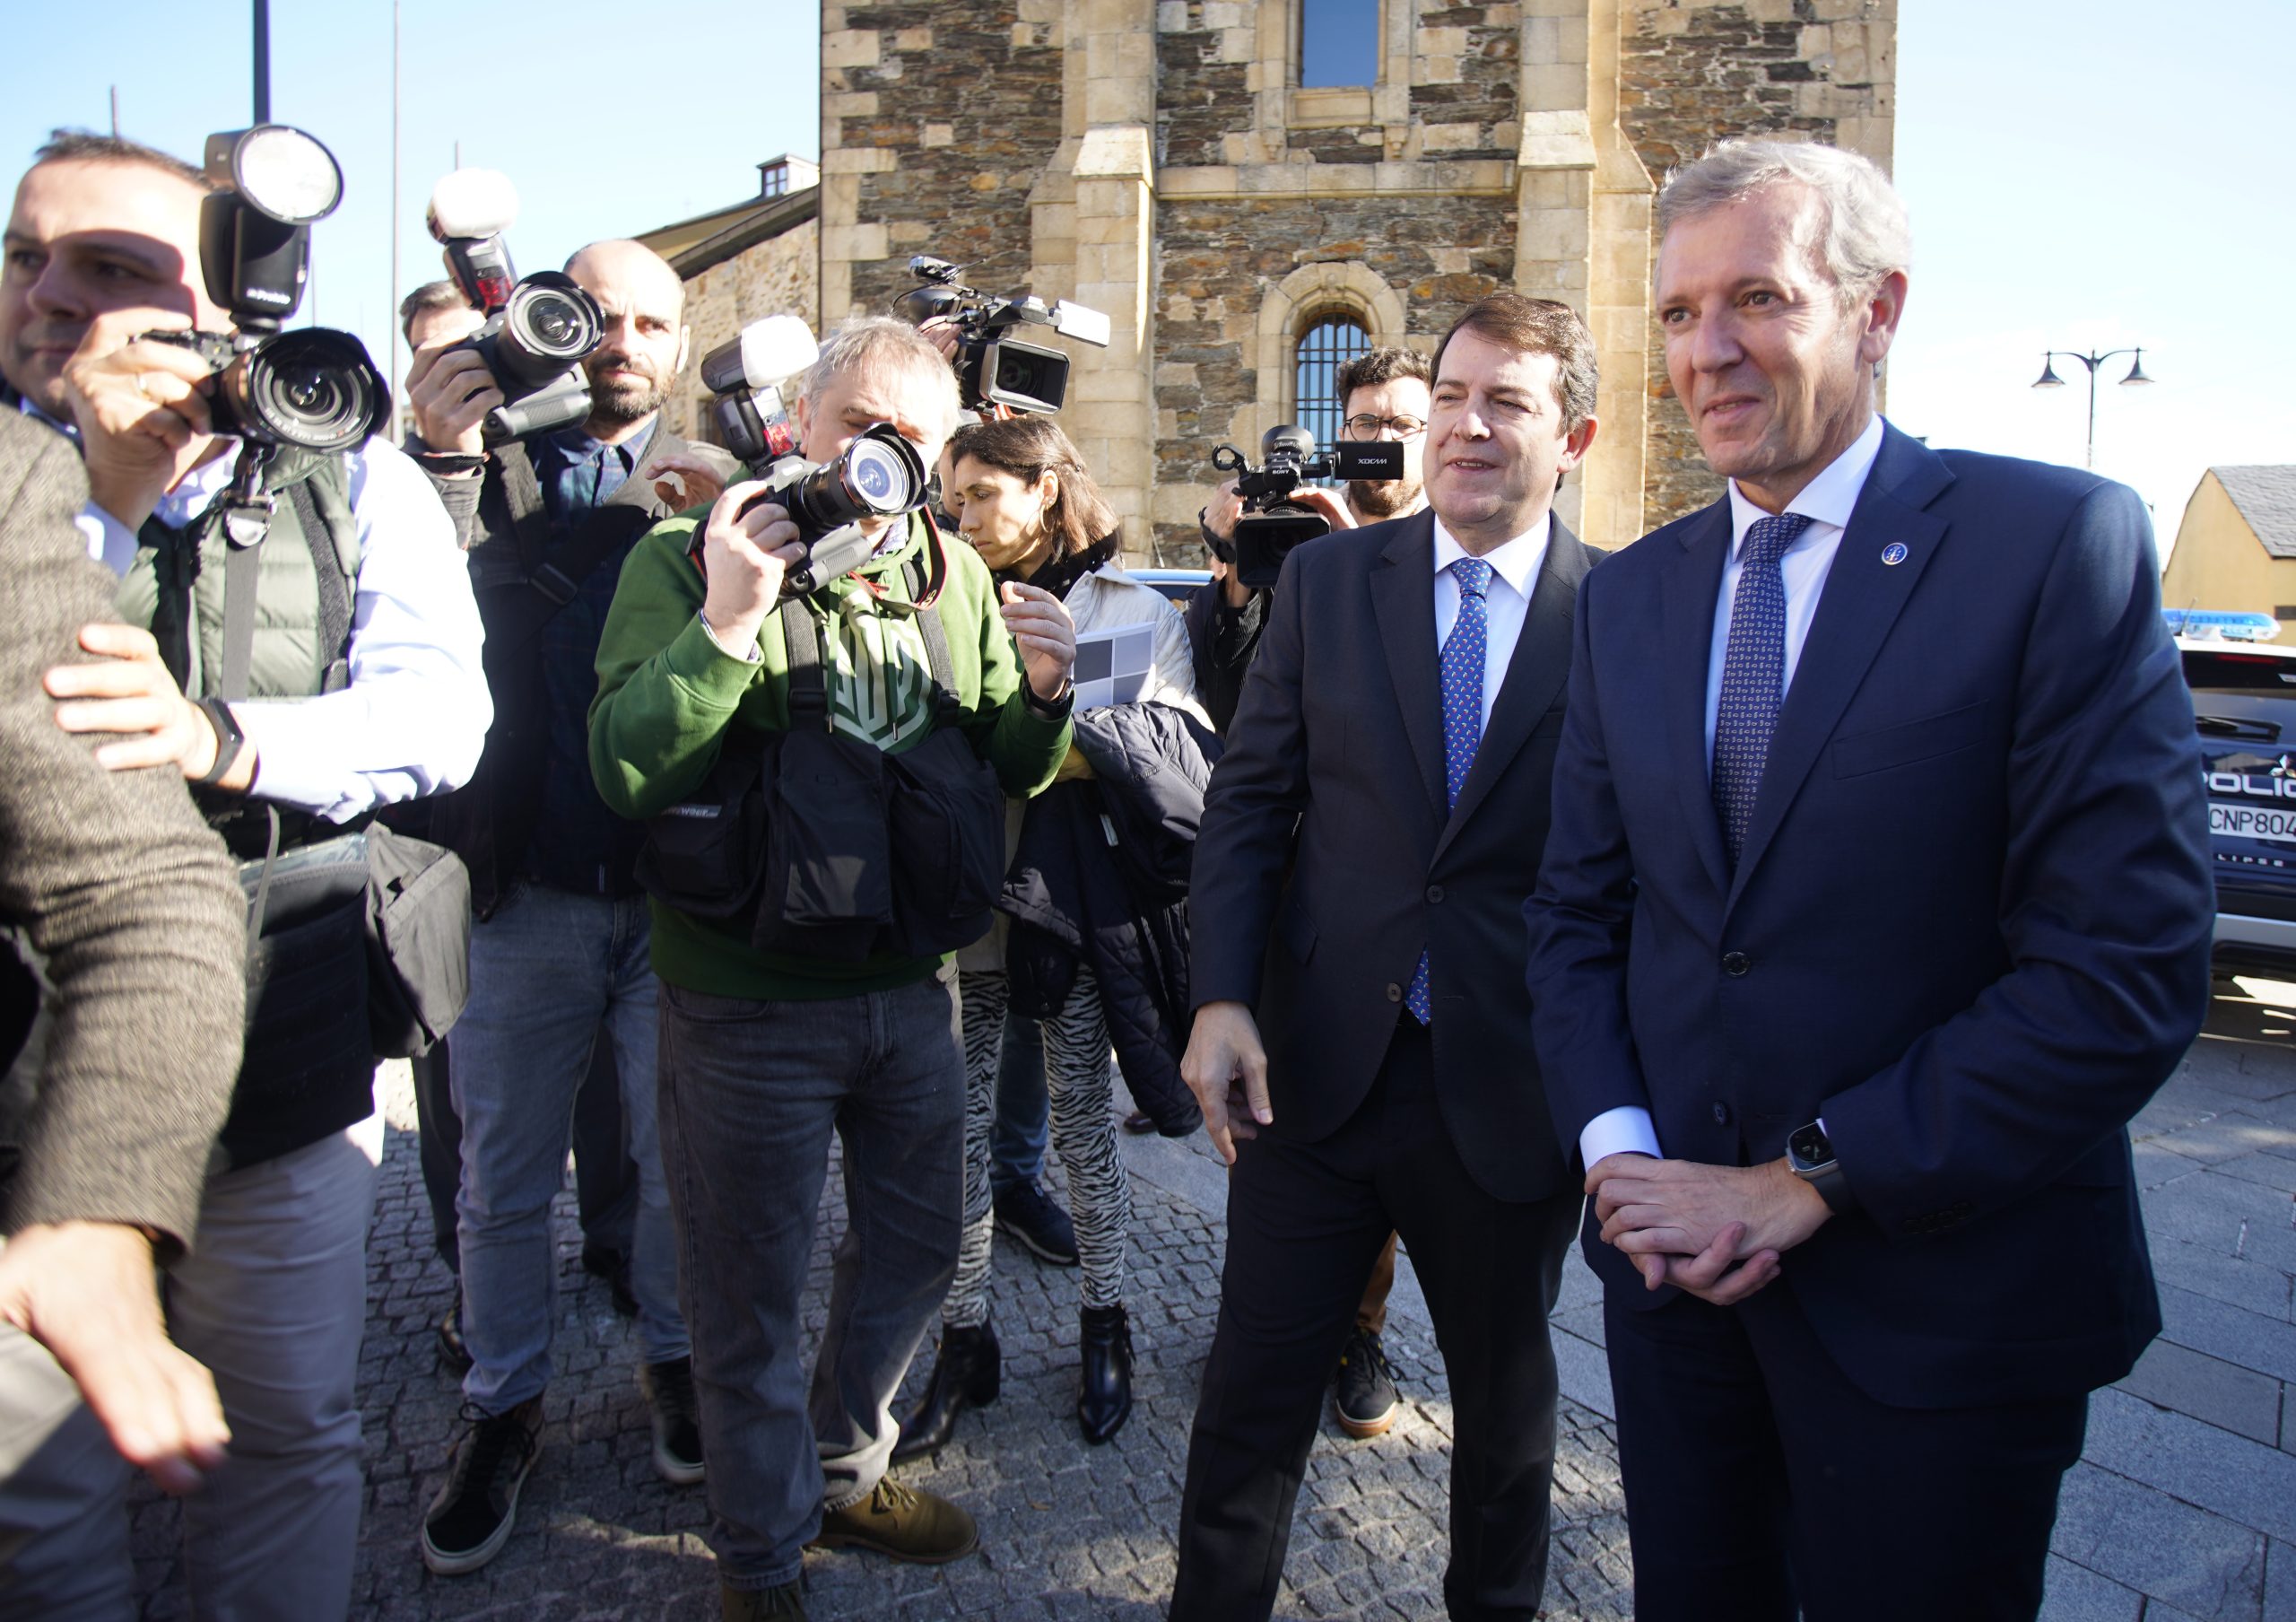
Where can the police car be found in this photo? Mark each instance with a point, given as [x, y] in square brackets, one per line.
[2244, 700]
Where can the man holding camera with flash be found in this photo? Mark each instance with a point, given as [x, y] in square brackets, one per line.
[709, 663]
[559, 952]
[299, 682]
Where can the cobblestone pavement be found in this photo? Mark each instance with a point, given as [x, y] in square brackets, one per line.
[2184, 1508]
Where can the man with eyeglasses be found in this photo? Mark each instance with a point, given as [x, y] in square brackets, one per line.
[1386, 393]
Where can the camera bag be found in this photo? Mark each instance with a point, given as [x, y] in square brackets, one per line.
[825, 845]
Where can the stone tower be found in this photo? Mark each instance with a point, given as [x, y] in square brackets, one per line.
[1163, 162]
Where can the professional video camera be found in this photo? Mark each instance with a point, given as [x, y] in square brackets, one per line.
[539, 329]
[995, 368]
[315, 388]
[880, 473]
[1273, 523]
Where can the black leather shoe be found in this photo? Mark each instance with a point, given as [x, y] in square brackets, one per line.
[966, 1373]
[1104, 1400]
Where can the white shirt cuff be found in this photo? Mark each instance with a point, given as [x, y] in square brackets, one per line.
[110, 542]
[1624, 1130]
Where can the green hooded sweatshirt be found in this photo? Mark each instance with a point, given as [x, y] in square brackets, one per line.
[667, 694]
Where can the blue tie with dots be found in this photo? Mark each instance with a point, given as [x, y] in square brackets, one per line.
[1753, 676]
[1463, 660]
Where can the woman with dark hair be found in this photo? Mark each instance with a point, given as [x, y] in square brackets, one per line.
[1021, 495]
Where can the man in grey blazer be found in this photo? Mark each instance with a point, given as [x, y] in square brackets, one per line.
[131, 904]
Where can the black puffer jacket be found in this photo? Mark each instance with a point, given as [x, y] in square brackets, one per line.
[1102, 878]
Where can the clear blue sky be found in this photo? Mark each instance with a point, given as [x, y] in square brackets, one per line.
[2078, 180]
[654, 113]
[2087, 178]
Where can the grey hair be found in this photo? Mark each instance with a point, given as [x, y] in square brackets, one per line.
[861, 343]
[1867, 233]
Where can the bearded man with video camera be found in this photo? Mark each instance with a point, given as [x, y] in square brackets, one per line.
[299, 674]
[875, 722]
[559, 952]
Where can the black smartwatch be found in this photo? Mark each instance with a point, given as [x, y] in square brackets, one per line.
[1809, 1155]
[228, 740]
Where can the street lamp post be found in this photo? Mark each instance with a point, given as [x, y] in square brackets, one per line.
[2092, 359]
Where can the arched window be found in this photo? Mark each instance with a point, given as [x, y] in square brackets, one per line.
[1339, 43]
[1330, 340]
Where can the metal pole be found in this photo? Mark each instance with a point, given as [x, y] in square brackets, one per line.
[2092, 463]
[263, 61]
[115, 112]
[391, 343]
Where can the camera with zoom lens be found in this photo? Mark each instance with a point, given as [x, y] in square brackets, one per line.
[315, 389]
[539, 328]
[1273, 523]
[879, 476]
[994, 367]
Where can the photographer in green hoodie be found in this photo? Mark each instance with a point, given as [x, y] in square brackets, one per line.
[766, 1053]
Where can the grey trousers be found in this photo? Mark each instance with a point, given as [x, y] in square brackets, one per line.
[274, 1302]
[751, 1095]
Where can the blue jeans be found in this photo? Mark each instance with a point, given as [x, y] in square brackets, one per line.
[751, 1092]
[550, 974]
[1016, 1142]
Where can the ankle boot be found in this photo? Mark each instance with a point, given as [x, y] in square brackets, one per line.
[1104, 1402]
[965, 1375]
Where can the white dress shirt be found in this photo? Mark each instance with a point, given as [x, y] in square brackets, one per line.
[1828, 501]
[414, 719]
[1506, 601]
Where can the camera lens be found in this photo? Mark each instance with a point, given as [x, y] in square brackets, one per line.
[313, 388]
[876, 474]
[550, 324]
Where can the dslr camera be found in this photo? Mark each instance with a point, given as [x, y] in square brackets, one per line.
[539, 328]
[314, 388]
[1273, 523]
[995, 368]
[880, 474]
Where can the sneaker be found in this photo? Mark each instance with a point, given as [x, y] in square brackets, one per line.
[1035, 1218]
[904, 1523]
[1367, 1387]
[786, 1603]
[677, 1420]
[471, 1518]
[452, 1352]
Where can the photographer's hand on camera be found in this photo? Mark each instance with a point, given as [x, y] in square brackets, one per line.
[685, 481]
[450, 392]
[744, 556]
[142, 411]
[1041, 626]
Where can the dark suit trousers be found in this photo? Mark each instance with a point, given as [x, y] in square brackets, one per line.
[1758, 1478]
[1305, 1222]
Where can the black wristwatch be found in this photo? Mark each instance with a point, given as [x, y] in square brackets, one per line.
[228, 740]
[1050, 710]
[1810, 1154]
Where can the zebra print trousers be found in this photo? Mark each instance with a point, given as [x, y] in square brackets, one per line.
[1077, 1085]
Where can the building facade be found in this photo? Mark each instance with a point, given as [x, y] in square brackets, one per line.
[1250, 191]
[2236, 546]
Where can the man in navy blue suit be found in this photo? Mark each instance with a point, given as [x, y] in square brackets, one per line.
[1876, 901]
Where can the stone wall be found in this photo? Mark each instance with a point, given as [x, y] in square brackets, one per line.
[780, 276]
[1693, 72]
[940, 117]
[1220, 259]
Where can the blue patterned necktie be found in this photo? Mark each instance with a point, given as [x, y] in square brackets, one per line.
[1463, 660]
[1753, 676]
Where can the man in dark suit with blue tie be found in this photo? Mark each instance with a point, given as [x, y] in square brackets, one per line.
[1362, 1025]
[1876, 901]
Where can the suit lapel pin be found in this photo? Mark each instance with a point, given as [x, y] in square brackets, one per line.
[1893, 553]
